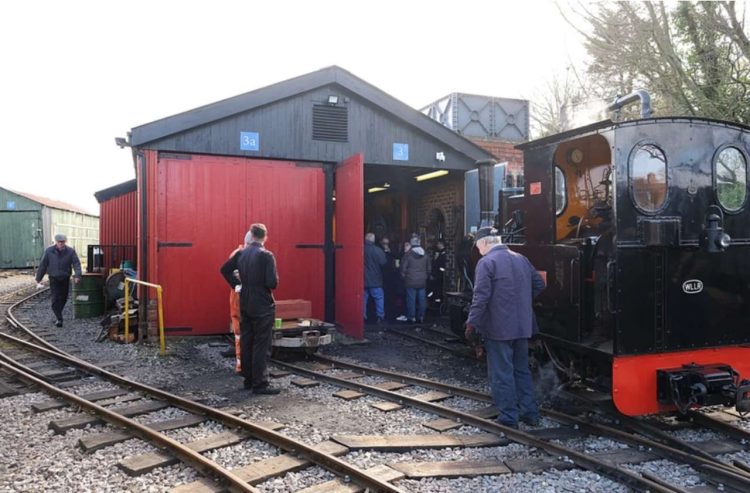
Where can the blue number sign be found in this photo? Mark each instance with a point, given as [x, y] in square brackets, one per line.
[400, 152]
[249, 141]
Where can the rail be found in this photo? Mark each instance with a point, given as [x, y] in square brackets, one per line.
[349, 472]
[160, 311]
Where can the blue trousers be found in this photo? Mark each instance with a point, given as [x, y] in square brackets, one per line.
[414, 295]
[377, 295]
[510, 380]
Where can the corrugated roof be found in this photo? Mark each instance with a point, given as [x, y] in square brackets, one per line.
[116, 190]
[55, 204]
[209, 113]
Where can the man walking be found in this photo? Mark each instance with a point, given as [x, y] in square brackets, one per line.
[57, 261]
[257, 268]
[375, 259]
[501, 312]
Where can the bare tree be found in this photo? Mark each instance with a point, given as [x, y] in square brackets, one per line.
[556, 106]
[694, 57]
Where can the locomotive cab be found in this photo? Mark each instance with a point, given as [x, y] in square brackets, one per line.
[642, 232]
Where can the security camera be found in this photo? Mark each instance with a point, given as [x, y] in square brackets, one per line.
[440, 156]
[122, 142]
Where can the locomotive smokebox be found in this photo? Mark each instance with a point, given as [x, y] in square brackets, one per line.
[486, 172]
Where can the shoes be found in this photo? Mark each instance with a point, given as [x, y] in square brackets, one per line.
[420, 320]
[509, 425]
[58, 323]
[530, 420]
[266, 390]
[412, 321]
[401, 318]
[380, 321]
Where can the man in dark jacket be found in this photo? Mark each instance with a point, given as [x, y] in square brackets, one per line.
[257, 268]
[501, 312]
[57, 262]
[439, 264]
[391, 279]
[415, 270]
[375, 259]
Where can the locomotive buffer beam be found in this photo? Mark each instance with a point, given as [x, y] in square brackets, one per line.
[702, 385]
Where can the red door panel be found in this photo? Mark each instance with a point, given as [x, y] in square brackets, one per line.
[350, 245]
[289, 200]
[206, 205]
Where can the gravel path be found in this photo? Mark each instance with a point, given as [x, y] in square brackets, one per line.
[36, 460]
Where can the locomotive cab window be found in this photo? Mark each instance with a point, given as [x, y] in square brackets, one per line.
[561, 197]
[730, 171]
[648, 178]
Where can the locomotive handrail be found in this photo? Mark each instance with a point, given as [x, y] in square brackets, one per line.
[612, 311]
[572, 284]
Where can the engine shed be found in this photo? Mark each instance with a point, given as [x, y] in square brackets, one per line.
[320, 159]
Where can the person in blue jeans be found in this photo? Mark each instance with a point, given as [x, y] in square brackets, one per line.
[415, 270]
[375, 260]
[501, 313]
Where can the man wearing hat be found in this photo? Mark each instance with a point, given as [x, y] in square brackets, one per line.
[57, 262]
[501, 312]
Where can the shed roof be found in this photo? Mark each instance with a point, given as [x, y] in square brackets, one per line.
[219, 110]
[116, 190]
[55, 204]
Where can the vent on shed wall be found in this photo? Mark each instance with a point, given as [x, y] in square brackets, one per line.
[330, 123]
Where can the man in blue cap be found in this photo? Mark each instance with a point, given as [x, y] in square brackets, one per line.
[57, 262]
[501, 312]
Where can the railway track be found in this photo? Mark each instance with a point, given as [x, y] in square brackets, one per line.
[426, 334]
[59, 363]
[722, 474]
[730, 476]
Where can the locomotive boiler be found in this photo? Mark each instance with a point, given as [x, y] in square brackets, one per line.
[642, 232]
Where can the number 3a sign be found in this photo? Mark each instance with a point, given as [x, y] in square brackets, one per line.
[249, 141]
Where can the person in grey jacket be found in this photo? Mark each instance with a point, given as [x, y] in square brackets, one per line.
[415, 270]
[375, 260]
[501, 312]
[57, 261]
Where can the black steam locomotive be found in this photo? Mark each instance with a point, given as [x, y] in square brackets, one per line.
[642, 231]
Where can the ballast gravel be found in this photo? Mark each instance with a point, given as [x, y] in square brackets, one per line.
[34, 459]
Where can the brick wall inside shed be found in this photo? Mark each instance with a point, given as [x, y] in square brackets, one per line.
[447, 197]
[503, 151]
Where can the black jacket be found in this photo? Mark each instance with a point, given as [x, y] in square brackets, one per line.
[57, 263]
[258, 276]
[375, 260]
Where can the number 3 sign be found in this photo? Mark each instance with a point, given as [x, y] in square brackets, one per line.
[249, 141]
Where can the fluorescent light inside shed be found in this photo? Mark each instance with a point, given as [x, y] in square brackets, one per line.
[434, 174]
[376, 189]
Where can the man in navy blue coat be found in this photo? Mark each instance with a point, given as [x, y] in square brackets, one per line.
[501, 312]
[57, 262]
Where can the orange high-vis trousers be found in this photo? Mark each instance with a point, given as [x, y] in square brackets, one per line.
[234, 312]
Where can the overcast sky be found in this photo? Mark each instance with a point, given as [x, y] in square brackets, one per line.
[76, 74]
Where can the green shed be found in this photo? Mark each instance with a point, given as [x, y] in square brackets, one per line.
[28, 224]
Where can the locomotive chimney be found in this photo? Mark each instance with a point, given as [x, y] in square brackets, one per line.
[486, 174]
[632, 97]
